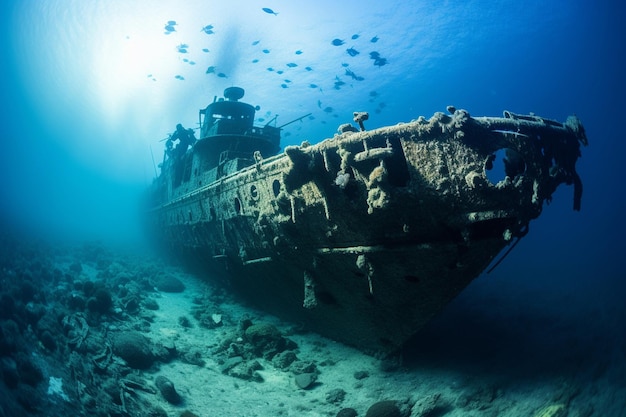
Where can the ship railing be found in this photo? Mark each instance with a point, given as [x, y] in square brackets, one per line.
[265, 162]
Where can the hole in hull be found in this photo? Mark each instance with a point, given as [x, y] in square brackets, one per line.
[504, 163]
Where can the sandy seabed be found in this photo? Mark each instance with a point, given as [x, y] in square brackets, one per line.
[87, 330]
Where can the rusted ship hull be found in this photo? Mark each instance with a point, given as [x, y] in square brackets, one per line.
[366, 236]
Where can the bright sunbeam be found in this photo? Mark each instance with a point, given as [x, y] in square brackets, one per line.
[128, 67]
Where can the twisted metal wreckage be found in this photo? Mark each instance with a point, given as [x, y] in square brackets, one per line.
[363, 237]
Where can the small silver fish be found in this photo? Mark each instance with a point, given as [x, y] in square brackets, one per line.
[269, 11]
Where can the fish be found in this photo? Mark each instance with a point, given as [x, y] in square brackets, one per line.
[208, 29]
[179, 77]
[308, 68]
[182, 48]
[355, 36]
[269, 11]
[279, 72]
[266, 51]
[380, 62]
[351, 73]
[222, 75]
[337, 42]
[205, 50]
[313, 85]
[298, 52]
[352, 52]
[338, 84]
[328, 109]
[292, 65]
[169, 27]
[287, 81]
[210, 70]
[254, 61]
[284, 86]
[270, 69]
[374, 39]
[255, 43]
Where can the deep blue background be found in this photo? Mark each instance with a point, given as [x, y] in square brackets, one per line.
[561, 291]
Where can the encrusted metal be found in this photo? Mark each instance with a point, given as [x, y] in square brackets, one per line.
[366, 235]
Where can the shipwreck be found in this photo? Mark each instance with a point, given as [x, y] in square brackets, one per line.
[365, 236]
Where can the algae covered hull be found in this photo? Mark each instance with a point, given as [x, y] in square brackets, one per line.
[363, 237]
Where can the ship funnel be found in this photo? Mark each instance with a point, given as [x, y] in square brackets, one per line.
[233, 93]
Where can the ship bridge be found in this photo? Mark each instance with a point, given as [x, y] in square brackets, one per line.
[228, 116]
[227, 131]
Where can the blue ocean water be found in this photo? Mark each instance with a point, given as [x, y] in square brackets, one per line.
[90, 88]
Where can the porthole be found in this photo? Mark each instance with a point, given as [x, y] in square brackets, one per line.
[254, 192]
[276, 187]
[237, 206]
